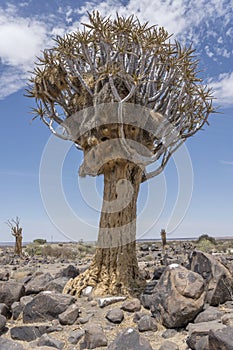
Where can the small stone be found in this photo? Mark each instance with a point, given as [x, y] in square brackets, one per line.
[115, 315]
[93, 303]
[147, 323]
[169, 333]
[27, 333]
[137, 316]
[87, 291]
[94, 338]
[8, 344]
[2, 322]
[4, 310]
[132, 305]
[129, 339]
[83, 320]
[69, 272]
[168, 345]
[70, 315]
[75, 336]
[50, 341]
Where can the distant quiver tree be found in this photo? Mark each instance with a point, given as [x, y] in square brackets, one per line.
[16, 231]
[127, 96]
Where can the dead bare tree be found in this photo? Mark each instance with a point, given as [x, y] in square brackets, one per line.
[87, 84]
[16, 231]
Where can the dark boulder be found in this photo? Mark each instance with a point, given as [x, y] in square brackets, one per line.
[130, 339]
[10, 292]
[178, 297]
[46, 306]
[217, 276]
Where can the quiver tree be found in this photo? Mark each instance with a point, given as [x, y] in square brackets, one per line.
[16, 231]
[127, 96]
[163, 237]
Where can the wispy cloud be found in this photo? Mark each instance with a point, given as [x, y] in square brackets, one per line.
[223, 88]
[226, 162]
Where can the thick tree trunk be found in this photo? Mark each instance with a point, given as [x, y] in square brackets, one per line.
[114, 269]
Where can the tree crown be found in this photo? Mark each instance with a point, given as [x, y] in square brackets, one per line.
[122, 60]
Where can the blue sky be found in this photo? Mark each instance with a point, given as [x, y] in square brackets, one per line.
[26, 27]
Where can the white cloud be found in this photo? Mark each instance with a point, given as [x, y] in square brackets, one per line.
[223, 88]
[200, 22]
[20, 40]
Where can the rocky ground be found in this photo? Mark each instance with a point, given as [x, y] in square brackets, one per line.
[187, 303]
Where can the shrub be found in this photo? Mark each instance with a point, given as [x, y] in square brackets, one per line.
[205, 237]
[40, 241]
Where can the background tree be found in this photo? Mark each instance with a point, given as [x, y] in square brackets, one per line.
[113, 87]
[163, 237]
[16, 231]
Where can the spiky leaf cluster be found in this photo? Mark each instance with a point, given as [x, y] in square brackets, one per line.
[135, 62]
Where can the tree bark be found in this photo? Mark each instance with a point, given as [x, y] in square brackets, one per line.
[114, 269]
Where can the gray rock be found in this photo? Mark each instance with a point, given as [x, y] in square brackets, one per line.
[129, 339]
[25, 300]
[75, 336]
[169, 333]
[57, 285]
[178, 297]
[198, 330]
[18, 306]
[4, 310]
[2, 322]
[137, 316]
[68, 272]
[46, 340]
[221, 339]
[4, 275]
[144, 248]
[227, 319]
[46, 306]
[147, 323]
[217, 276]
[11, 291]
[102, 302]
[210, 314]
[27, 333]
[16, 309]
[70, 315]
[38, 283]
[203, 343]
[168, 345]
[45, 348]
[115, 315]
[8, 344]
[94, 337]
[132, 305]
[146, 300]
[158, 273]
